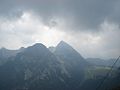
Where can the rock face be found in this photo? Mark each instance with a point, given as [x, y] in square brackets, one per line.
[70, 55]
[73, 62]
[37, 68]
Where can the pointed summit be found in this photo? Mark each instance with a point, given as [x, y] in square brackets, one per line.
[71, 58]
[64, 46]
[62, 43]
[64, 49]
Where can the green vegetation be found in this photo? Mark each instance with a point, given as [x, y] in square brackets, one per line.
[96, 72]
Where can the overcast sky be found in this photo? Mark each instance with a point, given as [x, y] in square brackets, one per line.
[92, 27]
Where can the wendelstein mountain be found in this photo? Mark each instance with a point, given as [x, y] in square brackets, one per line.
[57, 68]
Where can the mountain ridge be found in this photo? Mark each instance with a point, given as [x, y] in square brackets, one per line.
[37, 68]
[57, 68]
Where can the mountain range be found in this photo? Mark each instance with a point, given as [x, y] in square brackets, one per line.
[40, 68]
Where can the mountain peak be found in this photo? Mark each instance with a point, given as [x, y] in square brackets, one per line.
[63, 44]
[65, 49]
[37, 49]
[37, 46]
[62, 41]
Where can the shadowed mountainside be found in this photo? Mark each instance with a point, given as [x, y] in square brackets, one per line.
[37, 68]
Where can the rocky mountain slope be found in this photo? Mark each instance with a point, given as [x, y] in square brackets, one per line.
[37, 68]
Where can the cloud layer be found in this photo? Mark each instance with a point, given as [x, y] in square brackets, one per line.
[91, 26]
[79, 13]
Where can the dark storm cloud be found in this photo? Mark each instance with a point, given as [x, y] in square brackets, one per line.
[78, 14]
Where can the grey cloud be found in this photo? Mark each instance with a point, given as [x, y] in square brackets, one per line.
[78, 14]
